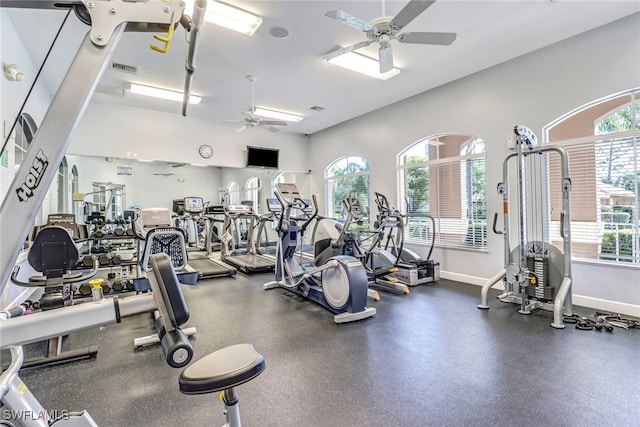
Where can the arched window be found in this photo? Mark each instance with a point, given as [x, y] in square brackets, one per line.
[253, 192]
[233, 189]
[444, 176]
[342, 177]
[602, 140]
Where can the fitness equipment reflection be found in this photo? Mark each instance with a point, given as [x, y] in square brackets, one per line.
[340, 285]
[536, 274]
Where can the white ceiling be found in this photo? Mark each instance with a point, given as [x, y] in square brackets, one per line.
[292, 76]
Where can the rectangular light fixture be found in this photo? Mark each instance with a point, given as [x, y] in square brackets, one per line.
[277, 115]
[228, 16]
[156, 92]
[362, 64]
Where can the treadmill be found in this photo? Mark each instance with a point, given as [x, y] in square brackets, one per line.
[238, 241]
[202, 260]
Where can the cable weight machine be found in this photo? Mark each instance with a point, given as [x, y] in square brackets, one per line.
[536, 274]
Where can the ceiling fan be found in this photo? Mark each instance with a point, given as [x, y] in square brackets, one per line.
[386, 28]
[250, 120]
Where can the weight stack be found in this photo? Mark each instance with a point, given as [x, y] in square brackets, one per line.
[539, 266]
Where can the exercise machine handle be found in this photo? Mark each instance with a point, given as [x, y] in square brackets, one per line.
[65, 280]
[495, 223]
[314, 199]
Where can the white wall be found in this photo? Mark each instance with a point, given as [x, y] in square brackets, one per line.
[115, 131]
[532, 90]
[13, 51]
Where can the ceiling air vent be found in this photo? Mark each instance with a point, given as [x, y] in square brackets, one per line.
[123, 68]
[316, 108]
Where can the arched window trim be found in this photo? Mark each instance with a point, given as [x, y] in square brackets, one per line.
[591, 236]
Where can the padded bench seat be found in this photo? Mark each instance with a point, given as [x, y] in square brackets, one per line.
[222, 369]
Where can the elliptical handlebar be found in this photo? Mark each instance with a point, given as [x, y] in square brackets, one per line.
[314, 214]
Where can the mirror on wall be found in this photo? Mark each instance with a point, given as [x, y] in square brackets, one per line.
[112, 184]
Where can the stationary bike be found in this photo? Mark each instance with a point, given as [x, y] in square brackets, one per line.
[340, 285]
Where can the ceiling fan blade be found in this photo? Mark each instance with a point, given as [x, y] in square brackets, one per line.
[442, 39]
[232, 121]
[385, 57]
[273, 122]
[410, 12]
[241, 128]
[347, 49]
[349, 20]
[272, 128]
[248, 115]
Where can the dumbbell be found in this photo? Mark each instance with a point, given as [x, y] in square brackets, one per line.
[119, 231]
[87, 261]
[104, 259]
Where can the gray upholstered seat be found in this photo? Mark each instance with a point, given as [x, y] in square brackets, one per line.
[222, 369]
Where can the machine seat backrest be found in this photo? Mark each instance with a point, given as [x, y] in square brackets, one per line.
[53, 252]
[168, 240]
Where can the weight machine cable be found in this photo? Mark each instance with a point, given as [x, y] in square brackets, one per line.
[35, 80]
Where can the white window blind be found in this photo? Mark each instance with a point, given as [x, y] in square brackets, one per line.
[448, 184]
[605, 176]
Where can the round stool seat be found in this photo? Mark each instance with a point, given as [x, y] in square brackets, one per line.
[222, 369]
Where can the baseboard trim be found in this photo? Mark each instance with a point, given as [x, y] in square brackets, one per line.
[581, 300]
[607, 305]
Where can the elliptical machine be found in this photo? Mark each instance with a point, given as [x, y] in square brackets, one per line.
[392, 220]
[340, 285]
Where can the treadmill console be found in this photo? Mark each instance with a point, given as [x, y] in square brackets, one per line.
[214, 210]
[288, 191]
[274, 206]
[239, 210]
[193, 205]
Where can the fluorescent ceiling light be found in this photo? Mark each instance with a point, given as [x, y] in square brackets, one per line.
[278, 115]
[156, 92]
[145, 161]
[199, 165]
[362, 64]
[228, 16]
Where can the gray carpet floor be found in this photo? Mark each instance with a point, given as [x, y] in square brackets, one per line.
[430, 358]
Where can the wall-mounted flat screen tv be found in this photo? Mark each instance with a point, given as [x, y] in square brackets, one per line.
[258, 157]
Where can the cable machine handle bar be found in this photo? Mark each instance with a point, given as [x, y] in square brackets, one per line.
[495, 223]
